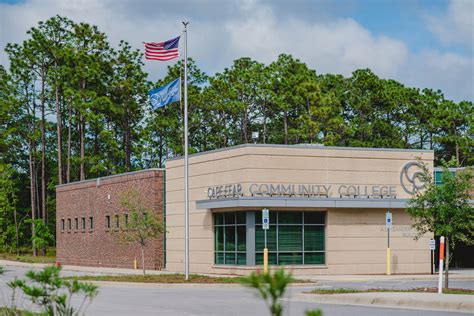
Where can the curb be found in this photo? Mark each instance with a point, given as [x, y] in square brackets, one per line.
[184, 285]
[434, 304]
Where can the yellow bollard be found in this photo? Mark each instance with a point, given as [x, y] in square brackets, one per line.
[388, 261]
[135, 263]
[265, 260]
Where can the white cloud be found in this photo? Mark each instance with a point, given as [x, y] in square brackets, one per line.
[456, 25]
[223, 31]
[340, 46]
[451, 73]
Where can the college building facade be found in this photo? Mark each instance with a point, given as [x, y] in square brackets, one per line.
[327, 210]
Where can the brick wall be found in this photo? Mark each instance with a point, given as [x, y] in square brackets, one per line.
[96, 199]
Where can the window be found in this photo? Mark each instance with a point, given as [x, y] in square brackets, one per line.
[107, 221]
[69, 224]
[62, 224]
[438, 176]
[126, 220]
[76, 223]
[91, 222]
[117, 221]
[230, 238]
[83, 223]
[293, 238]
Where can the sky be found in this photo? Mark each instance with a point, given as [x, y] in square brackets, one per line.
[424, 44]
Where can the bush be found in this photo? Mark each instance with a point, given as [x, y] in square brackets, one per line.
[51, 293]
[270, 287]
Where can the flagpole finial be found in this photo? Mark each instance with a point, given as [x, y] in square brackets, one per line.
[185, 23]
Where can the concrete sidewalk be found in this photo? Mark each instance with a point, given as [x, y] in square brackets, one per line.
[405, 300]
[92, 270]
[454, 274]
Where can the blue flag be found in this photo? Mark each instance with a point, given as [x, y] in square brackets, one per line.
[166, 94]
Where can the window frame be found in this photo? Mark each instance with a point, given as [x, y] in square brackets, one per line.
[303, 224]
[236, 252]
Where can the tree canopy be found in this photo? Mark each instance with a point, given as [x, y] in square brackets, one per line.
[73, 106]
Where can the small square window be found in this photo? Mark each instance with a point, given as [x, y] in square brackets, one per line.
[69, 224]
[91, 222]
[107, 221]
[83, 223]
[117, 221]
[76, 223]
[126, 220]
[62, 224]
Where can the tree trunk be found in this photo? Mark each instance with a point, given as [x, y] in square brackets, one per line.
[160, 153]
[82, 126]
[59, 138]
[431, 141]
[421, 140]
[143, 259]
[69, 139]
[43, 156]
[82, 175]
[264, 129]
[32, 193]
[457, 153]
[127, 142]
[245, 127]
[224, 134]
[15, 218]
[265, 122]
[446, 273]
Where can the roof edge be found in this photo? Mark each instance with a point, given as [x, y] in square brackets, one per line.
[108, 177]
[304, 146]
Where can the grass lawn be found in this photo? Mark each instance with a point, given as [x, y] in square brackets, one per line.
[27, 256]
[168, 278]
[417, 290]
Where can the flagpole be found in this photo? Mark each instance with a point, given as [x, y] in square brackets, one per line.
[186, 182]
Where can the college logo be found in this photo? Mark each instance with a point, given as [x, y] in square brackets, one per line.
[411, 177]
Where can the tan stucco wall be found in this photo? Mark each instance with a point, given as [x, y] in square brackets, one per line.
[356, 239]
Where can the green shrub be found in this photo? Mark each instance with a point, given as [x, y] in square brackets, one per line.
[51, 293]
[271, 288]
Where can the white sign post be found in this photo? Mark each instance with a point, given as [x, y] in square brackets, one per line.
[432, 244]
[265, 220]
[265, 227]
[432, 249]
[388, 225]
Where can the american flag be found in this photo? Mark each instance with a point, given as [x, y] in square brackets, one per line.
[162, 51]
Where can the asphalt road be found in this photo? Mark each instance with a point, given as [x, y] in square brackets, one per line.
[122, 299]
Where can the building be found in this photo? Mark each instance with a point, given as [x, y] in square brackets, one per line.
[327, 211]
[89, 213]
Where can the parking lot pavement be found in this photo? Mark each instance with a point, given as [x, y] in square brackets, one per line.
[119, 299]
